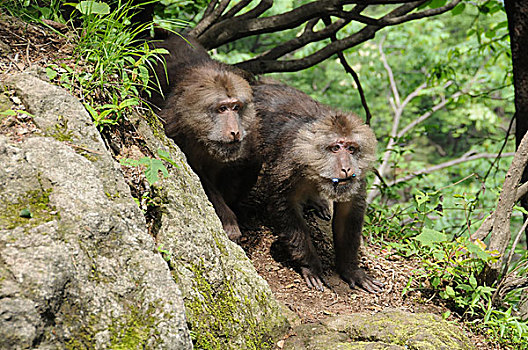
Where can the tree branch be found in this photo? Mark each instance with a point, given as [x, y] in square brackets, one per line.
[463, 159]
[500, 231]
[352, 72]
[239, 27]
[235, 9]
[211, 14]
[262, 65]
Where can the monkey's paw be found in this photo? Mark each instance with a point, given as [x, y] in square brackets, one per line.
[321, 208]
[233, 232]
[312, 279]
[358, 277]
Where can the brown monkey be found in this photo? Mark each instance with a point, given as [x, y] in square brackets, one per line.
[312, 155]
[209, 112]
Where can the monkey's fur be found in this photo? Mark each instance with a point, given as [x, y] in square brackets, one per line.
[209, 112]
[314, 155]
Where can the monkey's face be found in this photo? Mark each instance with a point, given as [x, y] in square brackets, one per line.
[336, 153]
[226, 134]
[219, 111]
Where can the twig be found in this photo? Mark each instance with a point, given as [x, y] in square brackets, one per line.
[514, 244]
[353, 73]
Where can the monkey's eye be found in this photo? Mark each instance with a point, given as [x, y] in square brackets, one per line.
[335, 148]
[236, 107]
[352, 149]
[222, 109]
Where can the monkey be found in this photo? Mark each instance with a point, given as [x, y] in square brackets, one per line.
[312, 156]
[209, 113]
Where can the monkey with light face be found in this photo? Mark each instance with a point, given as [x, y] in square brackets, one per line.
[209, 112]
[314, 155]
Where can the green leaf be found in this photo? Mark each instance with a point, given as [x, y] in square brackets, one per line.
[129, 162]
[9, 112]
[473, 281]
[450, 292]
[429, 237]
[93, 8]
[25, 213]
[437, 3]
[478, 251]
[51, 73]
[155, 166]
[166, 157]
[458, 9]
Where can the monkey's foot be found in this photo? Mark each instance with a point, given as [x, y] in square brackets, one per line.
[233, 232]
[321, 208]
[358, 277]
[312, 279]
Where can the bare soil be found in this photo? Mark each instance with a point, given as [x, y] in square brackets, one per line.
[23, 46]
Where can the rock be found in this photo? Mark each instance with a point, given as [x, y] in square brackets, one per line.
[80, 270]
[229, 306]
[389, 329]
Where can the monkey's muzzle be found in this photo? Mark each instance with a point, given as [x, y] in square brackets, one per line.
[336, 180]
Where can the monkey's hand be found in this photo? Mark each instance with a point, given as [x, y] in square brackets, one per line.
[321, 208]
[313, 279]
[233, 232]
[360, 278]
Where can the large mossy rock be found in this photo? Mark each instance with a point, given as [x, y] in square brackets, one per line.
[229, 306]
[389, 329]
[82, 272]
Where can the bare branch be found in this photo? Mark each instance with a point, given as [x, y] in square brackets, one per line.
[264, 65]
[514, 244]
[500, 231]
[211, 14]
[236, 9]
[419, 15]
[392, 81]
[485, 228]
[257, 11]
[429, 113]
[352, 72]
[463, 159]
[240, 27]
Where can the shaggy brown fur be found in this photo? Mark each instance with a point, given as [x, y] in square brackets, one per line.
[312, 155]
[209, 112]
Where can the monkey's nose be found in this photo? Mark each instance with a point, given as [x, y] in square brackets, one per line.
[235, 135]
[346, 171]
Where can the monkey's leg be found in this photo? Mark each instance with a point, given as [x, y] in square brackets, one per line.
[226, 215]
[346, 226]
[291, 225]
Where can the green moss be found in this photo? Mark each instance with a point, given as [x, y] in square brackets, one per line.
[87, 155]
[60, 131]
[135, 330]
[36, 202]
[155, 125]
[219, 319]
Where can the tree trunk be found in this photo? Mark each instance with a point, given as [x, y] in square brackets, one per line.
[517, 12]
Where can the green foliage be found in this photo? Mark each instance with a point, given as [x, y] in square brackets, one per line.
[111, 62]
[152, 166]
[31, 10]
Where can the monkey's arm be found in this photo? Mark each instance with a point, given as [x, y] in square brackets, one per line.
[226, 215]
[346, 226]
[290, 224]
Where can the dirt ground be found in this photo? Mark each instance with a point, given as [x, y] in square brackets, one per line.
[24, 45]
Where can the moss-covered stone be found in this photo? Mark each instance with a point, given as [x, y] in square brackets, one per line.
[60, 130]
[217, 317]
[31, 209]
